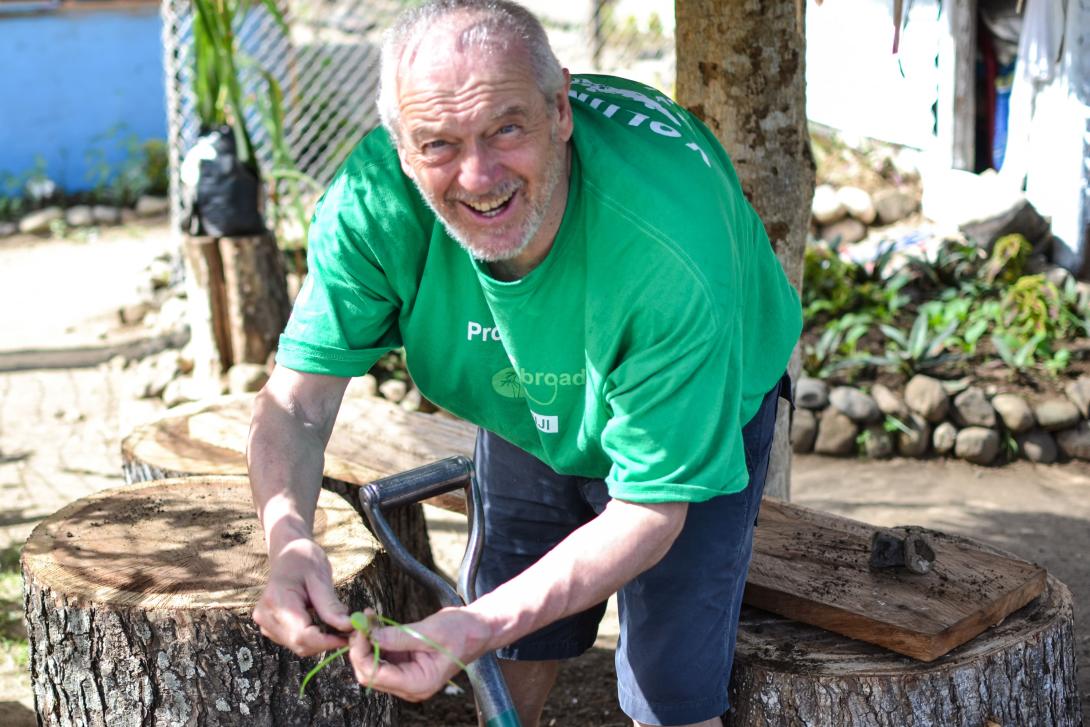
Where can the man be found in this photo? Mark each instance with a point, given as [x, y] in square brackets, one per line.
[569, 263]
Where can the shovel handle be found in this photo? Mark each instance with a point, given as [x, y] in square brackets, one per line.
[421, 483]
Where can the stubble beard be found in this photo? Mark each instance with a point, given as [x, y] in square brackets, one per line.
[535, 217]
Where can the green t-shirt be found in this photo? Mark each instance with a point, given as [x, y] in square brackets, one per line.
[635, 352]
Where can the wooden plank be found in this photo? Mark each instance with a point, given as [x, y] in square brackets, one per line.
[812, 567]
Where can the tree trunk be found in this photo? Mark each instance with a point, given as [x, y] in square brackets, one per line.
[138, 604]
[238, 297]
[371, 439]
[1021, 672]
[740, 69]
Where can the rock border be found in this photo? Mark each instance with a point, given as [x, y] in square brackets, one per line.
[945, 418]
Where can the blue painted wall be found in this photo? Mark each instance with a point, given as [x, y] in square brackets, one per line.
[78, 81]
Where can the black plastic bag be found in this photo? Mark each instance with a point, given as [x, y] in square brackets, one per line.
[224, 199]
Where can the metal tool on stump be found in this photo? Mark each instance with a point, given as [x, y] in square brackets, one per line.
[421, 483]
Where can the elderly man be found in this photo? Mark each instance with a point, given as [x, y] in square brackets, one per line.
[569, 263]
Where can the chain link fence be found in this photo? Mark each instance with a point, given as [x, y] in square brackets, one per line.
[327, 68]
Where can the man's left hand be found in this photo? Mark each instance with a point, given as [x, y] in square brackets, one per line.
[412, 669]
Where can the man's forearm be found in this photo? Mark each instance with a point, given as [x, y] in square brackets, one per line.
[285, 458]
[584, 569]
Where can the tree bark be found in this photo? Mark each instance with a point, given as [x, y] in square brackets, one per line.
[138, 604]
[741, 70]
[1021, 672]
[239, 301]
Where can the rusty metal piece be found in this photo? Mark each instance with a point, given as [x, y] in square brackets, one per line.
[912, 551]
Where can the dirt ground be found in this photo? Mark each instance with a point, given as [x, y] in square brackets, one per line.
[60, 430]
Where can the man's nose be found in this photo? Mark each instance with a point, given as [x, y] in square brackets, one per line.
[477, 171]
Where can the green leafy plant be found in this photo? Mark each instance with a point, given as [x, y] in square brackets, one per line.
[217, 84]
[921, 349]
[836, 349]
[1008, 259]
[290, 186]
[364, 623]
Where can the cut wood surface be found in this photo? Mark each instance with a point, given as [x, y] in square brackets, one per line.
[1020, 673]
[372, 438]
[813, 567]
[138, 604]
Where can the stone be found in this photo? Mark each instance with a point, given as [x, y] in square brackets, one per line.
[1083, 289]
[915, 441]
[394, 390]
[811, 393]
[368, 385]
[889, 402]
[160, 273]
[804, 426]
[972, 409]
[893, 205]
[153, 374]
[1038, 446]
[106, 215]
[836, 433]
[40, 222]
[1055, 414]
[877, 442]
[978, 445]
[826, 208]
[173, 315]
[243, 378]
[1075, 443]
[149, 206]
[79, 216]
[859, 406]
[858, 203]
[415, 401]
[846, 231]
[1016, 215]
[1058, 276]
[185, 389]
[7, 229]
[133, 313]
[1078, 391]
[925, 395]
[944, 438]
[1015, 412]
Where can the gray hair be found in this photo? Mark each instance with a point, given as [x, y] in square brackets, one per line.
[500, 22]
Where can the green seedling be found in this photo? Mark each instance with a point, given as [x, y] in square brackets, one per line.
[364, 622]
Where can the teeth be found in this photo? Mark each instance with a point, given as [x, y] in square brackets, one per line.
[486, 208]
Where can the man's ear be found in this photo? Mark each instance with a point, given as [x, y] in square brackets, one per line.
[563, 108]
[404, 159]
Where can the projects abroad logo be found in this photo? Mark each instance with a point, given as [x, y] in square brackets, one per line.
[539, 387]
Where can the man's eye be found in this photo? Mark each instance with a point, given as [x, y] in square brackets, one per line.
[433, 146]
[508, 129]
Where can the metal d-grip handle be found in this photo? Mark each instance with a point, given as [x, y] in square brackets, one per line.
[422, 483]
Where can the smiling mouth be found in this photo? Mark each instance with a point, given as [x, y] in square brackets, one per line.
[490, 208]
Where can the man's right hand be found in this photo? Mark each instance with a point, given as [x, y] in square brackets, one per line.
[301, 582]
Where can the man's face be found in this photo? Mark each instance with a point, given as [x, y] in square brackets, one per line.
[485, 147]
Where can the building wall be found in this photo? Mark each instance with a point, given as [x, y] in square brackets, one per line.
[77, 81]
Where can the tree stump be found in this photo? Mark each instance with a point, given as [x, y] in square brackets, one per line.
[372, 439]
[239, 300]
[138, 604]
[1016, 674]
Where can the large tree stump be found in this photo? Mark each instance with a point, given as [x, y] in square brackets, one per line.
[372, 439]
[138, 604]
[1016, 674]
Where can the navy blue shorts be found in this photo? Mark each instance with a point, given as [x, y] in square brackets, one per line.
[678, 619]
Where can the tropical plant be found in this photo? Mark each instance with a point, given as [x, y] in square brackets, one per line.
[921, 349]
[1008, 259]
[217, 83]
[836, 349]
